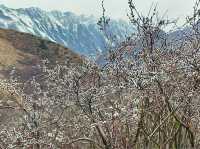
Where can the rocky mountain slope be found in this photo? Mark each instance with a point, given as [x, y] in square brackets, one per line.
[80, 33]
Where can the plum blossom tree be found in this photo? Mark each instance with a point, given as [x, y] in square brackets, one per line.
[146, 95]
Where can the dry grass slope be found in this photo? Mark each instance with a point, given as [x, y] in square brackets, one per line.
[23, 51]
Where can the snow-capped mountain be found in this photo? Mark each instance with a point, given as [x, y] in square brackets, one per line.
[80, 33]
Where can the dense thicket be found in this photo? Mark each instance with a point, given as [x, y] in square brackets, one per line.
[145, 96]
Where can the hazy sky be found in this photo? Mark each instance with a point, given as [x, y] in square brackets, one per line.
[116, 8]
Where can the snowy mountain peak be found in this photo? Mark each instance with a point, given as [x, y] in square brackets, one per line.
[2, 6]
[78, 32]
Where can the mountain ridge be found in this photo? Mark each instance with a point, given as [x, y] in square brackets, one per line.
[78, 32]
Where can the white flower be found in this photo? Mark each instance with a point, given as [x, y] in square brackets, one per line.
[116, 114]
[50, 134]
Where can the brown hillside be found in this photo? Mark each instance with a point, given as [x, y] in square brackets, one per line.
[24, 51]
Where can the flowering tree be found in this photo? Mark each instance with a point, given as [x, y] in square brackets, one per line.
[144, 96]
